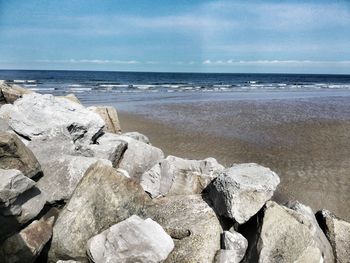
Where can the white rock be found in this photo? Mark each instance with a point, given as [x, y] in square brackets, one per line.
[226, 256]
[132, 240]
[235, 242]
[241, 191]
[137, 136]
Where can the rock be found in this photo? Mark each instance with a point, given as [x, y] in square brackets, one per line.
[4, 126]
[109, 146]
[15, 155]
[13, 92]
[176, 176]
[239, 192]
[226, 256]
[192, 224]
[235, 242]
[71, 97]
[338, 233]
[26, 245]
[38, 115]
[137, 136]
[110, 116]
[102, 198]
[132, 240]
[139, 157]
[12, 184]
[292, 235]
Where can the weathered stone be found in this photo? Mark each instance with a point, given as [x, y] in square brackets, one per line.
[26, 245]
[132, 240]
[110, 116]
[235, 242]
[37, 115]
[338, 234]
[176, 176]
[71, 97]
[15, 155]
[192, 224]
[139, 157]
[4, 126]
[226, 256]
[137, 136]
[239, 192]
[12, 184]
[102, 198]
[13, 92]
[292, 235]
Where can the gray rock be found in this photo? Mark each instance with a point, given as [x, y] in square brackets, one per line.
[139, 157]
[137, 136]
[226, 256]
[192, 224]
[12, 184]
[292, 235]
[37, 115]
[338, 234]
[132, 240]
[26, 245]
[176, 176]
[4, 126]
[13, 92]
[15, 155]
[110, 116]
[102, 198]
[235, 242]
[239, 192]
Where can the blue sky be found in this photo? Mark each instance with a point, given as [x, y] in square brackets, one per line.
[186, 36]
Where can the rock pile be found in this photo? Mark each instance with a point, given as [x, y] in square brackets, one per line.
[74, 188]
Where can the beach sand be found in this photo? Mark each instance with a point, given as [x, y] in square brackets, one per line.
[307, 142]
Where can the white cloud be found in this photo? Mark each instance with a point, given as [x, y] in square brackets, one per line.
[274, 62]
[88, 61]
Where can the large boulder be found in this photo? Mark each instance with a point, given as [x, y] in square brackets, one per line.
[102, 198]
[241, 191]
[338, 234]
[26, 245]
[292, 234]
[15, 155]
[176, 176]
[71, 97]
[110, 116]
[37, 115]
[139, 157]
[192, 224]
[132, 240]
[13, 92]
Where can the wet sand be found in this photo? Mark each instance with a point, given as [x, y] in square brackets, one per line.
[306, 141]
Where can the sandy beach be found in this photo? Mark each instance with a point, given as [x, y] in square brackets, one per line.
[306, 141]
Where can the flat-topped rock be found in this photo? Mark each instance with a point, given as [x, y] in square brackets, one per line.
[132, 240]
[241, 191]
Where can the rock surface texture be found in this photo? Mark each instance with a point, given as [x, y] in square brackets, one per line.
[110, 117]
[239, 192]
[338, 234]
[132, 240]
[236, 243]
[102, 198]
[12, 92]
[292, 235]
[176, 176]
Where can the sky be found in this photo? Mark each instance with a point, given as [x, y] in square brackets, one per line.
[176, 36]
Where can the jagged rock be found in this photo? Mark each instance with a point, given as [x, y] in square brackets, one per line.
[70, 97]
[226, 256]
[13, 92]
[292, 235]
[132, 240]
[102, 198]
[176, 176]
[139, 157]
[37, 115]
[15, 155]
[338, 233]
[109, 146]
[12, 184]
[110, 116]
[192, 224]
[137, 136]
[239, 192]
[235, 242]
[26, 245]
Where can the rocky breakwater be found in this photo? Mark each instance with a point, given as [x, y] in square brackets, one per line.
[74, 188]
